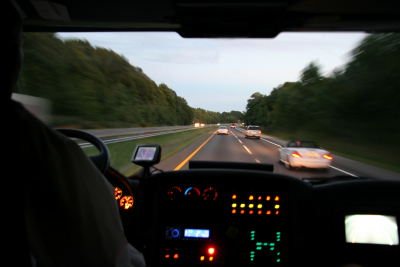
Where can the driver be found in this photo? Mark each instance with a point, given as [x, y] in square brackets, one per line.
[67, 210]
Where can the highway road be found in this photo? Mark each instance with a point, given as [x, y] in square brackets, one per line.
[236, 148]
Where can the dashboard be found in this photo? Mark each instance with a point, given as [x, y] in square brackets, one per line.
[226, 217]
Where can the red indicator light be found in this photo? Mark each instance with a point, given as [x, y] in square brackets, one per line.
[242, 211]
[176, 256]
[233, 211]
[276, 198]
[202, 258]
[251, 198]
[211, 251]
[268, 198]
[259, 198]
[328, 156]
[251, 212]
[268, 212]
[277, 212]
[211, 258]
[259, 212]
[167, 256]
[234, 197]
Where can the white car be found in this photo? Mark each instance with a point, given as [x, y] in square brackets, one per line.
[223, 130]
[233, 126]
[307, 154]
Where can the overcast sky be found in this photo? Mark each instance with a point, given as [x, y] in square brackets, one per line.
[221, 74]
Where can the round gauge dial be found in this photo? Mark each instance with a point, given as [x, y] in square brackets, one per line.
[174, 192]
[192, 191]
[126, 202]
[210, 194]
[118, 193]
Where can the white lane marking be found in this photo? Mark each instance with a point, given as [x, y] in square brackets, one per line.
[240, 141]
[344, 171]
[270, 142]
[248, 150]
[258, 161]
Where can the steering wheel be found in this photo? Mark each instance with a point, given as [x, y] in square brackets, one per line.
[102, 161]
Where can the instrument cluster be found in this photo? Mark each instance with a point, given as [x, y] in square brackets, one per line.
[124, 201]
[180, 193]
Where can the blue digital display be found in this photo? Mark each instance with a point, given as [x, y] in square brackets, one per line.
[197, 233]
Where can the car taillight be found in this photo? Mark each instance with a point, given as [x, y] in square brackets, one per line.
[260, 131]
[296, 154]
[328, 156]
[247, 131]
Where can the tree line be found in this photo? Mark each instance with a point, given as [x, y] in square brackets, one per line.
[94, 87]
[359, 102]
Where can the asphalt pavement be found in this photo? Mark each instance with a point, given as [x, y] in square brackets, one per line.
[236, 148]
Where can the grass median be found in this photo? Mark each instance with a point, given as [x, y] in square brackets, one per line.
[121, 152]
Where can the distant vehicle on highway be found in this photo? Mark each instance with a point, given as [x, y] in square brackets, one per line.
[202, 125]
[253, 131]
[307, 154]
[223, 130]
[218, 124]
[233, 125]
[197, 125]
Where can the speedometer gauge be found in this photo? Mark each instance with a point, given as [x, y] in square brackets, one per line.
[126, 202]
[118, 193]
[210, 194]
[174, 192]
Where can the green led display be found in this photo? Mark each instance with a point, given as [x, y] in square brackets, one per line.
[259, 244]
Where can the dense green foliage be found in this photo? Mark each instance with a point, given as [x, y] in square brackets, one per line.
[95, 87]
[359, 103]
